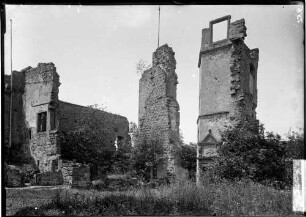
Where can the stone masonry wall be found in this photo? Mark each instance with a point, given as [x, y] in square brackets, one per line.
[158, 107]
[19, 152]
[41, 95]
[35, 91]
[72, 114]
[75, 174]
[18, 126]
[225, 96]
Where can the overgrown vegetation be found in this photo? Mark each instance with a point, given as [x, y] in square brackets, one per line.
[147, 155]
[92, 142]
[222, 198]
[188, 156]
[142, 66]
[246, 152]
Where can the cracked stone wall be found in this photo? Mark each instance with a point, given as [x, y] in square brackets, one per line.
[158, 107]
[35, 91]
[41, 95]
[227, 93]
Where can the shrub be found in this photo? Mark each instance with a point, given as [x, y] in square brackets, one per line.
[147, 155]
[92, 141]
[188, 157]
[244, 153]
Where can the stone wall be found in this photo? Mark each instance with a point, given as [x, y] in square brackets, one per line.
[35, 96]
[75, 174]
[48, 178]
[13, 176]
[158, 107]
[18, 146]
[225, 96]
[41, 95]
[71, 115]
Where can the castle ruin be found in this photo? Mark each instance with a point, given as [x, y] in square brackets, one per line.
[228, 86]
[159, 109]
[39, 118]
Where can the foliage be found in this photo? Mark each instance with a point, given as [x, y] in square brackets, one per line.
[92, 142]
[147, 154]
[243, 198]
[294, 150]
[189, 158]
[133, 127]
[245, 153]
[121, 161]
[142, 66]
[15, 155]
[295, 145]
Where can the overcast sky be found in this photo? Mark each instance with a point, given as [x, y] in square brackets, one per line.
[95, 50]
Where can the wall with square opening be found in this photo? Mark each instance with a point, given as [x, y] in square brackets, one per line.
[219, 28]
[219, 31]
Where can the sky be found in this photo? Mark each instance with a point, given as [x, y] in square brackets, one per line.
[96, 48]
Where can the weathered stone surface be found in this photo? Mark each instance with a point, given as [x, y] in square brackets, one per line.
[13, 176]
[71, 114]
[237, 30]
[75, 174]
[41, 95]
[48, 178]
[19, 131]
[158, 107]
[35, 91]
[228, 87]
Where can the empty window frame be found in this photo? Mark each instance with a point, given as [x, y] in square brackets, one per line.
[118, 142]
[219, 28]
[41, 122]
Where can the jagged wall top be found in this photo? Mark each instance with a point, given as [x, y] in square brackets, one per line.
[164, 55]
[235, 31]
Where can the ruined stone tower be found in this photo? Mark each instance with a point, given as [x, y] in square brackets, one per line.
[228, 86]
[158, 107]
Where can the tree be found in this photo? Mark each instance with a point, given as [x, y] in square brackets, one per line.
[189, 158]
[92, 141]
[244, 152]
[147, 155]
[141, 66]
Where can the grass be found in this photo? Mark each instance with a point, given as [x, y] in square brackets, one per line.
[224, 198]
[17, 198]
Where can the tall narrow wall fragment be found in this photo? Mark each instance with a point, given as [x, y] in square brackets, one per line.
[158, 107]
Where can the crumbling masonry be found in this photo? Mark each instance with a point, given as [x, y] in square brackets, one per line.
[159, 109]
[228, 86]
[39, 118]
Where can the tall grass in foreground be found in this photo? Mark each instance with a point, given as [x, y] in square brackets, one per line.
[182, 198]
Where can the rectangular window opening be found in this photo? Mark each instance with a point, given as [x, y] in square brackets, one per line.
[52, 119]
[30, 133]
[219, 31]
[41, 122]
[251, 84]
[118, 142]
